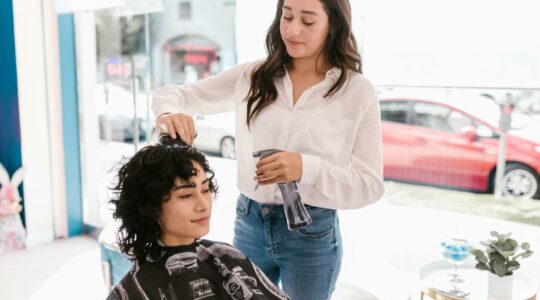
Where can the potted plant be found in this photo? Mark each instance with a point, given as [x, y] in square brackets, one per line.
[500, 257]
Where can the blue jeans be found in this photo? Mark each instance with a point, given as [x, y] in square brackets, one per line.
[307, 261]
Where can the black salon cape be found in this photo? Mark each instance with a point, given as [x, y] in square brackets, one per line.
[202, 270]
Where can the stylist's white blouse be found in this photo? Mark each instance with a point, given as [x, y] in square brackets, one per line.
[339, 137]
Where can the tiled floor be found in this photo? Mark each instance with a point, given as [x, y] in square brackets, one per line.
[65, 269]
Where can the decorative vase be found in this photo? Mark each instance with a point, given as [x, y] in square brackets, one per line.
[500, 287]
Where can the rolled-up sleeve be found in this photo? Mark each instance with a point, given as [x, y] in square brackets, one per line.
[214, 94]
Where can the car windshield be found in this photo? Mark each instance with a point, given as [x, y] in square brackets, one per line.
[523, 126]
[488, 111]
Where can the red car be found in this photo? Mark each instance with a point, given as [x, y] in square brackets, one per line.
[452, 141]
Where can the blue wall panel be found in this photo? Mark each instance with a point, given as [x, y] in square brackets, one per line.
[70, 119]
[10, 132]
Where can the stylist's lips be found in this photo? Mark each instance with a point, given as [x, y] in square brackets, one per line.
[293, 42]
[202, 221]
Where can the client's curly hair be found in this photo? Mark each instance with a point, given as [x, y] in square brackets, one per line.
[144, 184]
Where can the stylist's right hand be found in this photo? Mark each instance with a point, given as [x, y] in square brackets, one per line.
[178, 124]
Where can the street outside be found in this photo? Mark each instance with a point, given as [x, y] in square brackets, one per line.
[510, 209]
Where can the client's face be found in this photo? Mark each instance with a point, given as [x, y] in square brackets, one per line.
[186, 215]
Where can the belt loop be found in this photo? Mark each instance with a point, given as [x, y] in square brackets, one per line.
[248, 204]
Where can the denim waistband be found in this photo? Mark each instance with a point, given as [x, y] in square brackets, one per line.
[269, 207]
[253, 204]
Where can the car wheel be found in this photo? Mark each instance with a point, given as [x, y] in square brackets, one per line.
[227, 148]
[520, 181]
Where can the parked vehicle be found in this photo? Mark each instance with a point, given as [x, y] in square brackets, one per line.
[442, 139]
[114, 107]
[215, 133]
[452, 140]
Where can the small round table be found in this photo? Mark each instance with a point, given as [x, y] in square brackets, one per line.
[435, 278]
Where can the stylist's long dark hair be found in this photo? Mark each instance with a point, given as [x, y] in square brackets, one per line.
[340, 51]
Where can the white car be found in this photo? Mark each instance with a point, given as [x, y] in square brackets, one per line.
[114, 108]
[215, 133]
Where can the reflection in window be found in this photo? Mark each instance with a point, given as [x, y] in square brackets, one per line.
[459, 122]
[394, 111]
[432, 116]
[438, 117]
[192, 57]
[484, 131]
[184, 10]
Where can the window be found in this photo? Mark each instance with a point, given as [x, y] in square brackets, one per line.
[394, 111]
[184, 9]
[459, 122]
[123, 64]
[431, 116]
[438, 117]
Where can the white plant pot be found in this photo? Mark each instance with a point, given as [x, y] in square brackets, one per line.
[500, 287]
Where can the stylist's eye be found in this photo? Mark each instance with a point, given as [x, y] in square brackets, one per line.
[206, 191]
[287, 18]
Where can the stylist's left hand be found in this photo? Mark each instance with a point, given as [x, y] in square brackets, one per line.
[281, 167]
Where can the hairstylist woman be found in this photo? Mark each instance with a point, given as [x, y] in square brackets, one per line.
[308, 98]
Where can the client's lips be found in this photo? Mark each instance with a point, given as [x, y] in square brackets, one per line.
[204, 220]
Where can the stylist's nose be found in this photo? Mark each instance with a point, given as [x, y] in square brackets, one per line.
[294, 28]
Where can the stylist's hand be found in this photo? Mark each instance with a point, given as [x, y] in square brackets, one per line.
[178, 124]
[281, 167]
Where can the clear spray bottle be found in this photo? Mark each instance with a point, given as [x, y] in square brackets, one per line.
[295, 211]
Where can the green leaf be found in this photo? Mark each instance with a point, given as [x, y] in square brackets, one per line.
[526, 254]
[512, 265]
[498, 265]
[482, 266]
[507, 248]
[523, 255]
[525, 246]
[479, 255]
[510, 245]
[494, 234]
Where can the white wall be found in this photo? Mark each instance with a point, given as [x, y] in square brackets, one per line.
[40, 116]
[252, 21]
[453, 43]
[253, 18]
[423, 42]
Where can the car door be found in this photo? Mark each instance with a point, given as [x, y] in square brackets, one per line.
[398, 144]
[447, 150]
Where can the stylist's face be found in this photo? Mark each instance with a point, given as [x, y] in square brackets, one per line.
[304, 27]
[186, 215]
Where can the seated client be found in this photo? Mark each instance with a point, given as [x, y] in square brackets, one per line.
[163, 200]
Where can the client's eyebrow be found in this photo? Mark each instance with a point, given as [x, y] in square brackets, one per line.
[190, 185]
